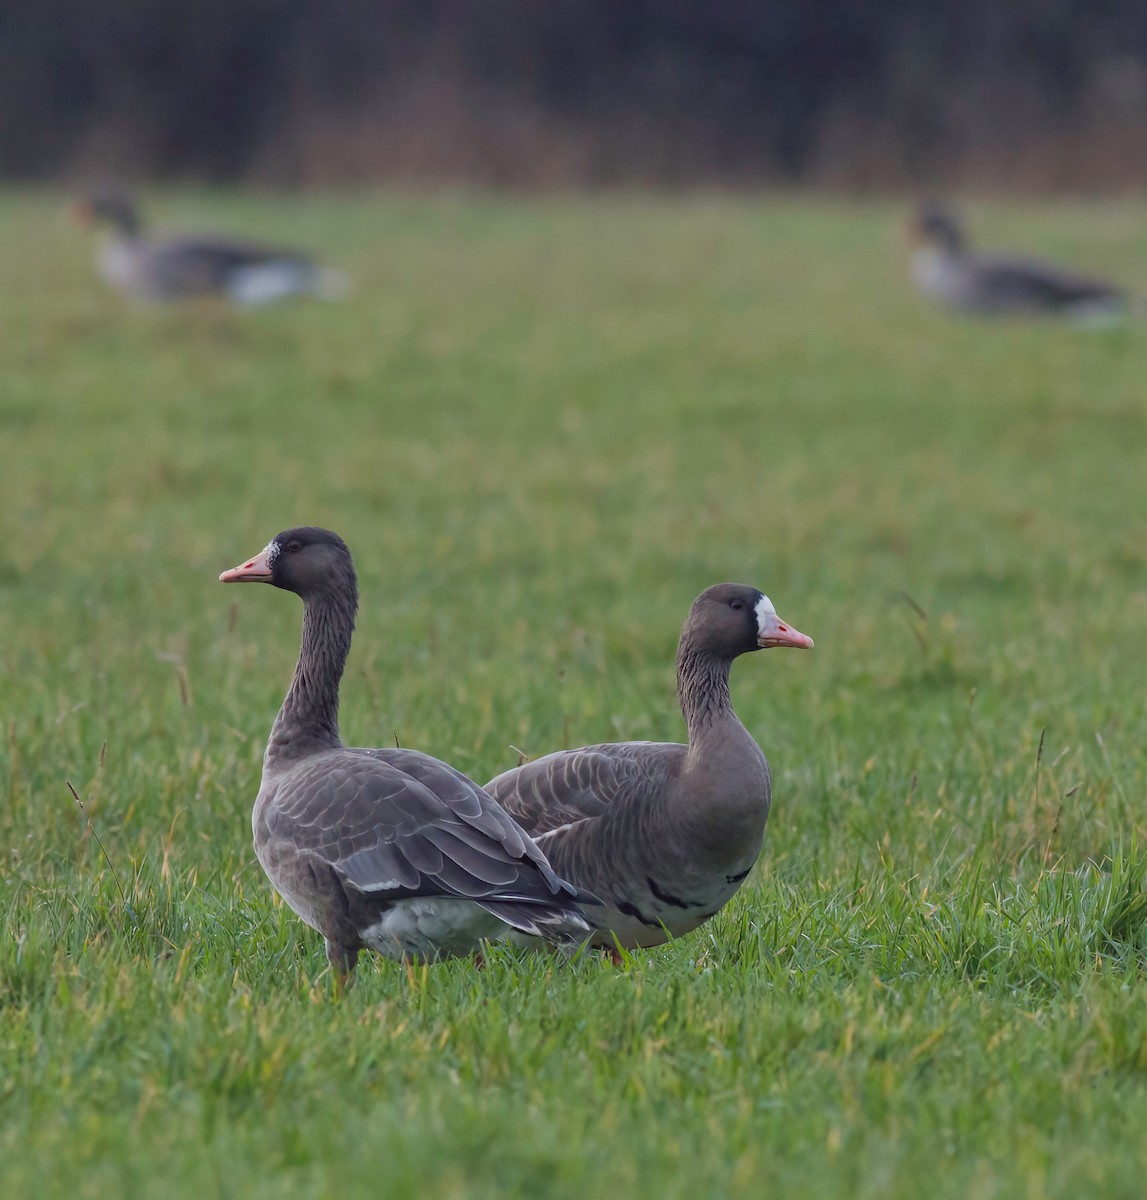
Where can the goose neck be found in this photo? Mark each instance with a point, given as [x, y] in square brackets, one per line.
[309, 717]
[702, 688]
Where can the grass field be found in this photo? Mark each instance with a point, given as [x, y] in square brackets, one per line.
[544, 426]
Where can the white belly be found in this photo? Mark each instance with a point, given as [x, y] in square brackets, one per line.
[432, 928]
[265, 283]
[116, 264]
[940, 276]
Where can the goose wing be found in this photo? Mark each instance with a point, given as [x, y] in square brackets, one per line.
[184, 265]
[402, 825]
[563, 789]
[1018, 282]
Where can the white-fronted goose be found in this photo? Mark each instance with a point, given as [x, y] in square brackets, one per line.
[181, 267]
[385, 849]
[662, 834]
[944, 269]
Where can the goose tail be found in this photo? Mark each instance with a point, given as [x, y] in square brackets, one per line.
[558, 921]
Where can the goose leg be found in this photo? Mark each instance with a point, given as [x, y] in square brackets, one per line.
[343, 960]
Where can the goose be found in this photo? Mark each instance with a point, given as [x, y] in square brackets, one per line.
[180, 267]
[385, 849]
[944, 269]
[662, 834]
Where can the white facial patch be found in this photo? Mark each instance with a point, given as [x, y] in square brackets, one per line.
[272, 552]
[764, 610]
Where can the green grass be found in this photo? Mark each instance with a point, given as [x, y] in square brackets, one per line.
[543, 427]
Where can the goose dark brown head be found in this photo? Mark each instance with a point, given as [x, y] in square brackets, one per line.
[112, 208]
[935, 225]
[308, 561]
[729, 619]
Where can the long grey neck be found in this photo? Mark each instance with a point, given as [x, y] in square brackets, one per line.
[309, 717]
[702, 688]
[721, 796]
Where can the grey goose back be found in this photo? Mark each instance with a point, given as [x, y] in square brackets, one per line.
[182, 267]
[386, 849]
[663, 834]
[945, 269]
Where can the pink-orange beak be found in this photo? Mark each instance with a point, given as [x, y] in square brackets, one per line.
[255, 570]
[777, 633]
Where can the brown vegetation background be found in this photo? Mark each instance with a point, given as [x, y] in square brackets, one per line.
[1025, 94]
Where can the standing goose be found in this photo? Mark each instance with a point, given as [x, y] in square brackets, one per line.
[385, 849]
[662, 833]
[945, 270]
[182, 267]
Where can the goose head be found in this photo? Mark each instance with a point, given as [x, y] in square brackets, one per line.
[308, 561]
[933, 224]
[729, 619]
[110, 208]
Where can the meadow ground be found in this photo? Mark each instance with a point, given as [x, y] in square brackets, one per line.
[544, 426]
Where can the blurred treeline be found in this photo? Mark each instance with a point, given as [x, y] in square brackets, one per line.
[880, 93]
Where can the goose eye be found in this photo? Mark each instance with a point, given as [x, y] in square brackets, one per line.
[294, 544]
[737, 604]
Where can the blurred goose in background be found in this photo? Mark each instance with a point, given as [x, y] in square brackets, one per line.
[944, 269]
[181, 267]
[385, 849]
[662, 834]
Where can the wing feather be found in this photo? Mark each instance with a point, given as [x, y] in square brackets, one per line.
[571, 786]
[1019, 280]
[404, 824]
